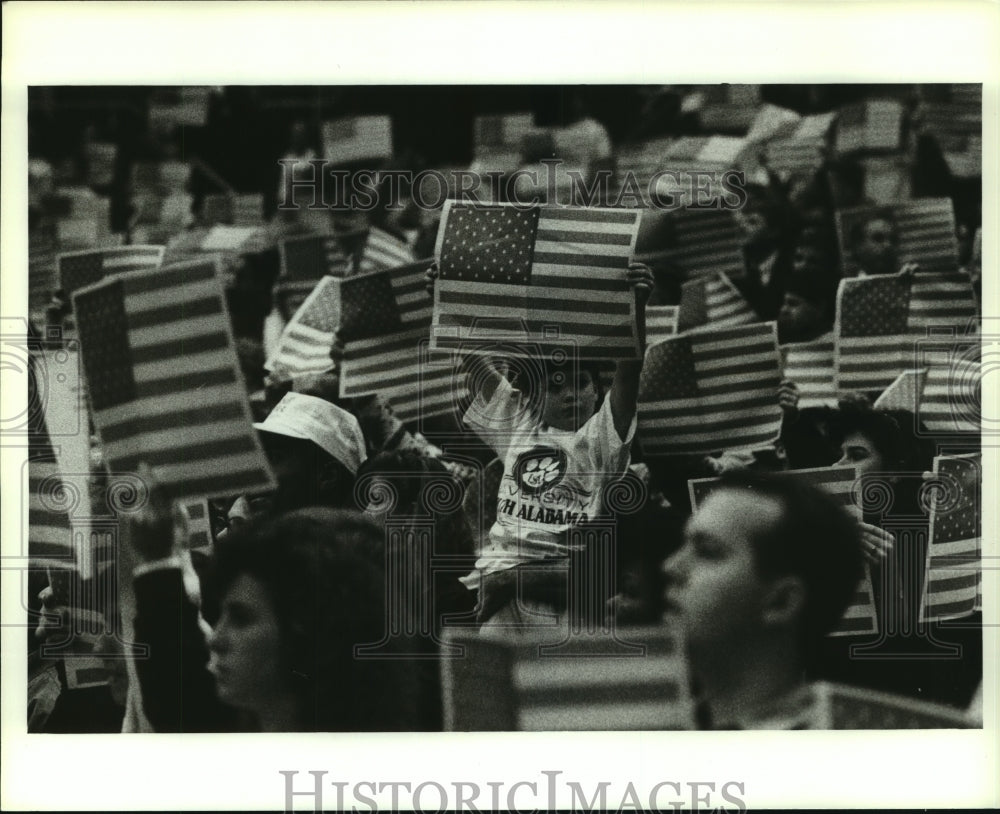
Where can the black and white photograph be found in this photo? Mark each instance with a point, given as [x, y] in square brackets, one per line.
[414, 428]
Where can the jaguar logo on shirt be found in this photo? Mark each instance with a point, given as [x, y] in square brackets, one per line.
[539, 469]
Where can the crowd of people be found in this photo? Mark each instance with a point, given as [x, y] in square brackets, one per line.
[323, 605]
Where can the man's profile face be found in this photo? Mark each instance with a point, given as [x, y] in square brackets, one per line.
[877, 253]
[713, 587]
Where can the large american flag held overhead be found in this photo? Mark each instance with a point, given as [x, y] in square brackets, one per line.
[711, 391]
[810, 366]
[551, 276]
[880, 320]
[953, 573]
[165, 384]
[860, 617]
[79, 269]
[304, 346]
[385, 325]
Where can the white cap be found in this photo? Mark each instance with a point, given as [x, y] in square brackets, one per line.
[326, 425]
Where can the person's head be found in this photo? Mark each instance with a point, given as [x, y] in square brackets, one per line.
[875, 244]
[298, 594]
[314, 448]
[807, 309]
[571, 394]
[766, 558]
[880, 440]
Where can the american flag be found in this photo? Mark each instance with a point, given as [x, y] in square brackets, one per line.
[713, 301]
[79, 269]
[555, 273]
[860, 617]
[50, 535]
[661, 322]
[953, 575]
[950, 399]
[875, 124]
[385, 325]
[636, 680]
[65, 409]
[880, 320]
[800, 151]
[692, 242]
[355, 138]
[711, 390]
[304, 346]
[383, 251]
[164, 381]
[310, 258]
[810, 366]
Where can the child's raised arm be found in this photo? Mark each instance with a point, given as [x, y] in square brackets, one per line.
[624, 393]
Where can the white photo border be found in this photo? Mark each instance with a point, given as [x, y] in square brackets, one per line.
[510, 43]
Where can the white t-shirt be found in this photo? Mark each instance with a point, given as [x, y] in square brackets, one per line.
[552, 479]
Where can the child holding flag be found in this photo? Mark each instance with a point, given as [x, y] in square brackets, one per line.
[561, 447]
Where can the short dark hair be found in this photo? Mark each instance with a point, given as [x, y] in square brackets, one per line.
[816, 539]
[324, 572]
[893, 433]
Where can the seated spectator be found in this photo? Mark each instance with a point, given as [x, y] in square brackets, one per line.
[299, 593]
[768, 566]
[889, 451]
[315, 449]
